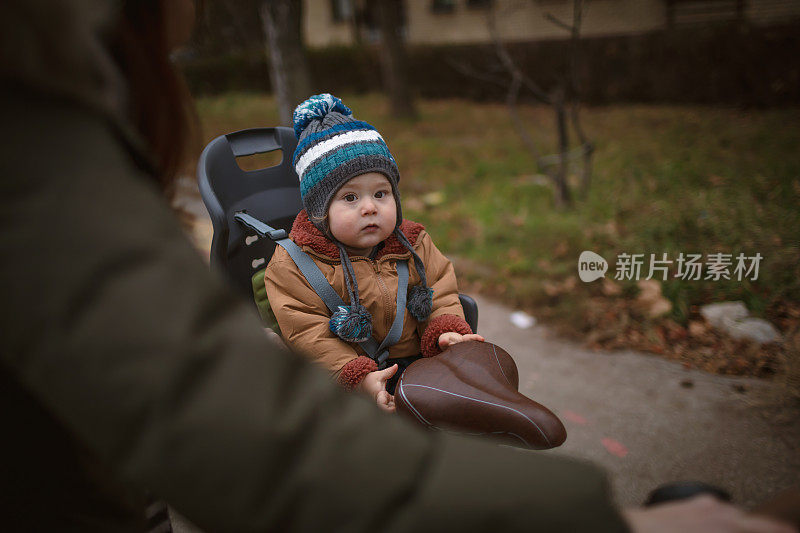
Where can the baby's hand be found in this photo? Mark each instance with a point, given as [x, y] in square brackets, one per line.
[451, 337]
[385, 401]
[374, 384]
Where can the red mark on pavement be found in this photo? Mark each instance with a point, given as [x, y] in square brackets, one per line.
[615, 447]
[574, 417]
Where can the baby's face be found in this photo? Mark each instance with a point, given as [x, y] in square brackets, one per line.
[363, 212]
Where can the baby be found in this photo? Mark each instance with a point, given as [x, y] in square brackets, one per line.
[353, 229]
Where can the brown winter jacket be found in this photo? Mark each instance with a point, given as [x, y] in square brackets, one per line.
[303, 317]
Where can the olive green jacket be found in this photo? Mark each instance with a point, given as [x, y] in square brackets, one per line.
[125, 364]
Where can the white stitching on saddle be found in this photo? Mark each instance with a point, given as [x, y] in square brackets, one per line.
[416, 413]
[494, 350]
[481, 401]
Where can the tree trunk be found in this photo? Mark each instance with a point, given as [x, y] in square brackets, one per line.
[394, 62]
[563, 196]
[587, 148]
[283, 27]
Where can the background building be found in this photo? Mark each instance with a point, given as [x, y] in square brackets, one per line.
[439, 22]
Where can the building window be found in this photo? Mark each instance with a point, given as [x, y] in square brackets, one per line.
[342, 10]
[479, 4]
[443, 6]
[704, 12]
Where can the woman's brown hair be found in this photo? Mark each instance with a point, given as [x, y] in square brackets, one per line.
[161, 107]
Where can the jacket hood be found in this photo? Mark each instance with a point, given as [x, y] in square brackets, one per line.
[58, 48]
[304, 233]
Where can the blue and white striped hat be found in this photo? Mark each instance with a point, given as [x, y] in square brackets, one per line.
[332, 148]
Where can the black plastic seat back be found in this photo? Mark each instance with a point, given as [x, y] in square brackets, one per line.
[270, 194]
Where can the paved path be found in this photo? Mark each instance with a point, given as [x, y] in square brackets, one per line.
[649, 421]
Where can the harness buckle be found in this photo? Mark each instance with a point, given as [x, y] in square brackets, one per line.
[277, 234]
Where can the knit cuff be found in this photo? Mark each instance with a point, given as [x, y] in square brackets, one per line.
[429, 344]
[355, 370]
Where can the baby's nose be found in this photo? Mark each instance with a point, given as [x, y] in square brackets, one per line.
[368, 206]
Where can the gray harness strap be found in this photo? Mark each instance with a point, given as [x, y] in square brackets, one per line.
[309, 269]
[397, 326]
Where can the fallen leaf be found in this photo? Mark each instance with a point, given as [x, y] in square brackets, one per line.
[610, 288]
[413, 204]
[574, 417]
[611, 229]
[561, 249]
[650, 299]
[551, 289]
[615, 447]
[433, 199]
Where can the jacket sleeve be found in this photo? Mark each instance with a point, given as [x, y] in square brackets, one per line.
[303, 319]
[114, 323]
[447, 314]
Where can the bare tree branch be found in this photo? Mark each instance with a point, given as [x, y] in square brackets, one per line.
[586, 145]
[508, 62]
[563, 147]
[553, 159]
[563, 25]
[467, 70]
[577, 18]
[564, 100]
[511, 101]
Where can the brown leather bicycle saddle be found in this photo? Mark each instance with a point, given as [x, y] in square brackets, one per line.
[471, 388]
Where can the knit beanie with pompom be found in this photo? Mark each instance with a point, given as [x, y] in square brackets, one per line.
[332, 148]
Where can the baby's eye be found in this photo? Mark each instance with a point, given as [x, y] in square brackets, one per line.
[349, 197]
[381, 194]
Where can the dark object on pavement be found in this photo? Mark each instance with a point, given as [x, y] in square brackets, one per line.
[471, 388]
[785, 506]
[682, 490]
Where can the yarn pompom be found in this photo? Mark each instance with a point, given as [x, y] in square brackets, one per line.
[420, 302]
[351, 325]
[316, 107]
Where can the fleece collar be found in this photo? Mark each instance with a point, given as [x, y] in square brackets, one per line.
[304, 233]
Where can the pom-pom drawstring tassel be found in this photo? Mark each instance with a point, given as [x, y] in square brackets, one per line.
[351, 324]
[420, 302]
[420, 297]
